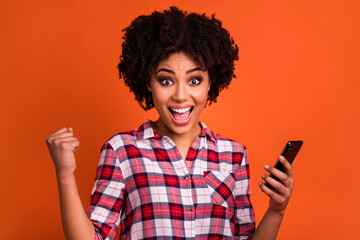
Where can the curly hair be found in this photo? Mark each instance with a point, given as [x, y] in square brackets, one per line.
[152, 38]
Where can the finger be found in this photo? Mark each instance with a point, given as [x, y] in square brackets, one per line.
[60, 136]
[283, 177]
[272, 194]
[287, 166]
[60, 130]
[64, 134]
[74, 145]
[71, 144]
[75, 149]
[279, 187]
[66, 139]
[287, 177]
[63, 140]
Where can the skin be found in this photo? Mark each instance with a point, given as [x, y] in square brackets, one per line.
[177, 82]
[279, 199]
[62, 145]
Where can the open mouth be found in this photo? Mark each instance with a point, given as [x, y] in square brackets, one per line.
[181, 116]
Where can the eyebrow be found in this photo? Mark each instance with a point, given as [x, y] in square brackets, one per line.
[172, 72]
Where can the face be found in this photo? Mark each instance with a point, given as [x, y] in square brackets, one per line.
[179, 88]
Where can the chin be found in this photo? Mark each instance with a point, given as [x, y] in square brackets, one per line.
[182, 129]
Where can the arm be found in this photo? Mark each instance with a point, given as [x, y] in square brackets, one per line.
[62, 144]
[245, 215]
[270, 223]
[108, 194]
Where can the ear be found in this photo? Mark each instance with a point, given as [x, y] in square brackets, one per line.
[148, 84]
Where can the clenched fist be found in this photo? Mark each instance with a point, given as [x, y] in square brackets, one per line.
[62, 144]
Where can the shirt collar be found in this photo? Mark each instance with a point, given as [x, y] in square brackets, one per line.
[205, 131]
[145, 131]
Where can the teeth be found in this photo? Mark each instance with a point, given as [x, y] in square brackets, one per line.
[181, 110]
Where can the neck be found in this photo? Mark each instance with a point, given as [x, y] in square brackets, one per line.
[185, 139]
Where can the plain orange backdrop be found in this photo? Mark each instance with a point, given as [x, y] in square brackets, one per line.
[297, 78]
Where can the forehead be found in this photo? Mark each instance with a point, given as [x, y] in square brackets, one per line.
[178, 61]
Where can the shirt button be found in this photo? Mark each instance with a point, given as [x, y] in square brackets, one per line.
[186, 177]
[190, 210]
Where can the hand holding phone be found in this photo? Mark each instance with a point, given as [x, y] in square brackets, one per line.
[290, 151]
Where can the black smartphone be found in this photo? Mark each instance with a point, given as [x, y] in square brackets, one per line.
[290, 151]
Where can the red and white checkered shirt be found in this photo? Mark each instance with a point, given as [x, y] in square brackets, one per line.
[144, 186]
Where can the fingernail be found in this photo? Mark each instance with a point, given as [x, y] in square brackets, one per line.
[266, 167]
[281, 158]
[260, 184]
[263, 176]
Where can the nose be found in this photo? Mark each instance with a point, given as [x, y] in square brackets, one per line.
[180, 92]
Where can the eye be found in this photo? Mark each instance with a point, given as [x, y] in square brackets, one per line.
[165, 81]
[195, 81]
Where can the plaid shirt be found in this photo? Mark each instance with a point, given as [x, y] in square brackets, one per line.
[144, 186]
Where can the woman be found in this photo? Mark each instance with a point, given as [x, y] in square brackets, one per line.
[172, 178]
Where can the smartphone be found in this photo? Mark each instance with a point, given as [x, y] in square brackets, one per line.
[290, 151]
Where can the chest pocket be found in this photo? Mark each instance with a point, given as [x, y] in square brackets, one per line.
[221, 186]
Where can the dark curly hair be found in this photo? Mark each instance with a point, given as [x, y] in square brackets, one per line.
[152, 38]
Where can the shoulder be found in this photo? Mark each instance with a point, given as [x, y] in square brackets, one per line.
[130, 138]
[228, 151]
[229, 145]
[222, 143]
[121, 139]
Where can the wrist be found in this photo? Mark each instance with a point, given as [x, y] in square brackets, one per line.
[65, 175]
[277, 212]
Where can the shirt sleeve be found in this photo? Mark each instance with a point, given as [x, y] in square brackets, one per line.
[245, 215]
[107, 195]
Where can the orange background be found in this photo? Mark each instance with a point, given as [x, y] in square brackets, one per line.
[297, 78]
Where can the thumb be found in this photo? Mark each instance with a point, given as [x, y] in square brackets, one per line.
[76, 146]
